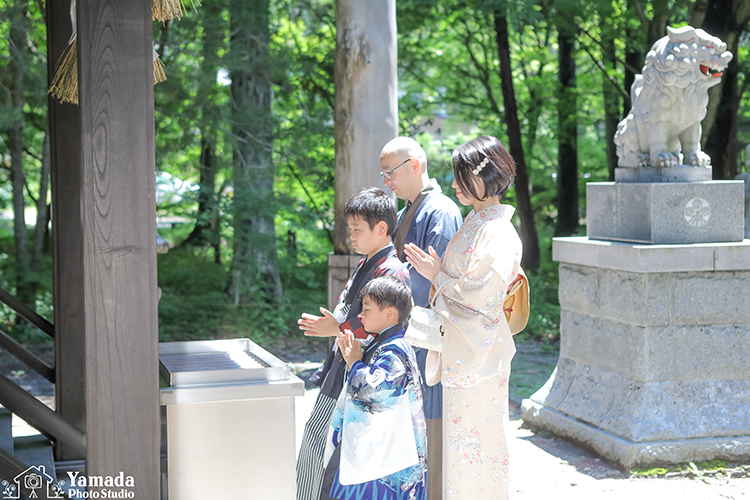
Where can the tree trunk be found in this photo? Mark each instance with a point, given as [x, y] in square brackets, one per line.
[567, 136]
[721, 144]
[42, 213]
[610, 93]
[657, 27]
[18, 47]
[726, 20]
[529, 236]
[635, 41]
[366, 111]
[698, 14]
[255, 272]
[207, 227]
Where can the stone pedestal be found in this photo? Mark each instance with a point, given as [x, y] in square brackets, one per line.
[746, 179]
[655, 351]
[666, 212]
[679, 173]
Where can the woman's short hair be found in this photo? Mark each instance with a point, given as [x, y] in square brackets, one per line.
[497, 173]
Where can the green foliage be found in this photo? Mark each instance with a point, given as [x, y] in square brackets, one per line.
[449, 92]
[697, 470]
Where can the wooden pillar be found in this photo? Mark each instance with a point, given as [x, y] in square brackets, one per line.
[67, 236]
[366, 114]
[119, 250]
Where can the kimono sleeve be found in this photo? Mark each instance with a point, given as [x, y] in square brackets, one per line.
[493, 262]
[373, 386]
[479, 344]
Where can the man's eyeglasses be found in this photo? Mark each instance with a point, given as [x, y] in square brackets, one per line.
[388, 174]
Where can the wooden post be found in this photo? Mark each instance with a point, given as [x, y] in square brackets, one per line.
[366, 114]
[119, 251]
[67, 237]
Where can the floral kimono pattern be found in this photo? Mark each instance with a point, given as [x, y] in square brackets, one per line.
[483, 258]
[379, 425]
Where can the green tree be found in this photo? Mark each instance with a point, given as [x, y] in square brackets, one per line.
[254, 265]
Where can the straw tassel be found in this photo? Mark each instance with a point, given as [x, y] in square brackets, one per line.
[164, 10]
[65, 82]
[159, 75]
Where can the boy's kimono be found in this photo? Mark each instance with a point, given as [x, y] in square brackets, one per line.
[330, 377]
[379, 425]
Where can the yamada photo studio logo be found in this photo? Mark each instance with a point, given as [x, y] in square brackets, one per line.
[36, 483]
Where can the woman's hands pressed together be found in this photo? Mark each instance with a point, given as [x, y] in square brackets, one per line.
[428, 265]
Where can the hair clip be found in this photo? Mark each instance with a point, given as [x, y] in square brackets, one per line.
[481, 165]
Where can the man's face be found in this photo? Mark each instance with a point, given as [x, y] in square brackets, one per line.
[400, 177]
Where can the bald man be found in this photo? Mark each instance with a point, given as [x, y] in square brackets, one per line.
[429, 219]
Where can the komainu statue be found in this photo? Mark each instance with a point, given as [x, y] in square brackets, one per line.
[669, 100]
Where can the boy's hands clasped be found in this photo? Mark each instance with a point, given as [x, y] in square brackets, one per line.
[350, 347]
[319, 326]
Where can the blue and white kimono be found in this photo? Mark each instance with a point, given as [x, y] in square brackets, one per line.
[379, 425]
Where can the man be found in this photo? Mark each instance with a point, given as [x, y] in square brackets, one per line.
[429, 219]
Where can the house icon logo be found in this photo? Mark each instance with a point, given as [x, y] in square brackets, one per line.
[35, 480]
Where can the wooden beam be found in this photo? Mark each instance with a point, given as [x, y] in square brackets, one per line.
[119, 252]
[27, 313]
[39, 416]
[67, 236]
[27, 357]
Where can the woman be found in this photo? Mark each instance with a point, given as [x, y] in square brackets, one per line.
[482, 259]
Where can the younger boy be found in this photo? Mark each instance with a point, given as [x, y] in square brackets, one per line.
[371, 216]
[378, 424]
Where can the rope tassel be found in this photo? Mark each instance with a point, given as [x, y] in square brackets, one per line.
[65, 82]
[164, 10]
[159, 75]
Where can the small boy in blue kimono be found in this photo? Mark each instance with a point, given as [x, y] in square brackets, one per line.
[378, 424]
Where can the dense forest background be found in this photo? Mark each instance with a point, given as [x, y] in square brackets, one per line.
[551, 79]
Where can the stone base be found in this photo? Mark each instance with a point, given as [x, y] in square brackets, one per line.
[680, 173]
[629, 454]
[666, 213]
[653, 354]
[746, 179]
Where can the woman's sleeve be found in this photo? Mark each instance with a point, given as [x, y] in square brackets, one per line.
[493, 263]
[477, 346]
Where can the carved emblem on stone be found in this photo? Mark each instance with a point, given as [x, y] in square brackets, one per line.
[669, 100]
[697, 212]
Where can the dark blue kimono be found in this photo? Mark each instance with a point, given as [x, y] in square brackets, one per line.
[436, 221]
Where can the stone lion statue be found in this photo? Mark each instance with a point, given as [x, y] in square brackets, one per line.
[663, 129]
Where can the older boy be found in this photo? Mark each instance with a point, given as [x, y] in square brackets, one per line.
[378, 426]
[371, 217]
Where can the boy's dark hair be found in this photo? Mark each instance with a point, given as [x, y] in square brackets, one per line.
[373, 205]
[388, 291]
[498, 173]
